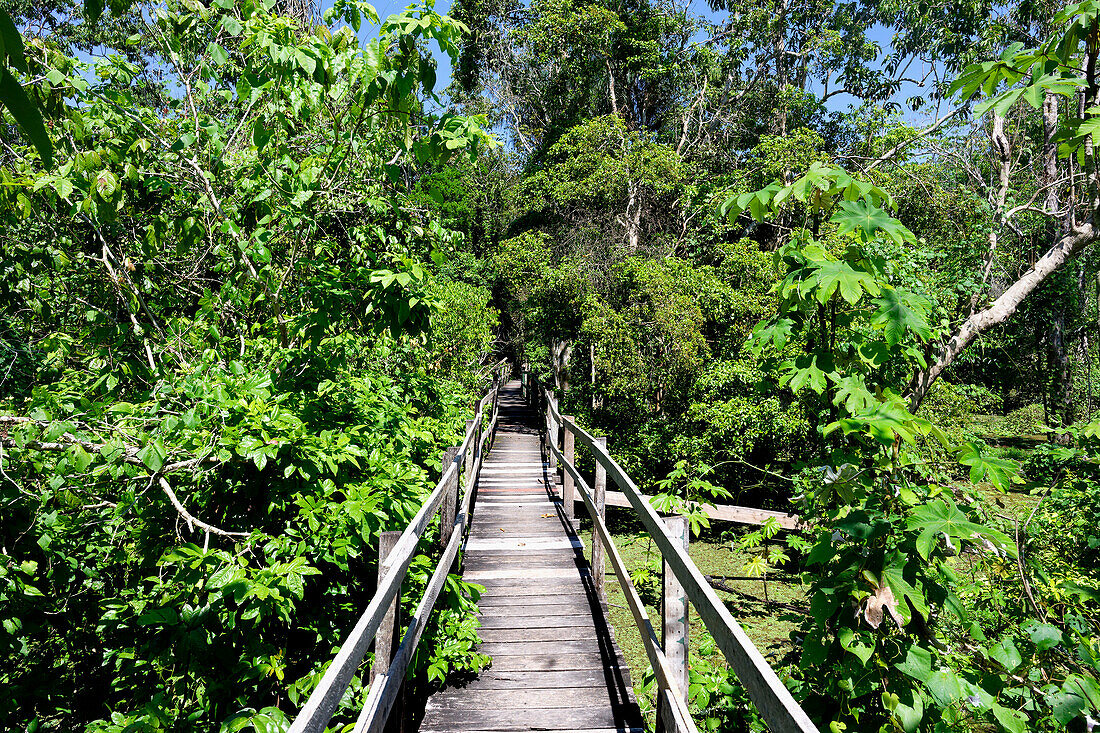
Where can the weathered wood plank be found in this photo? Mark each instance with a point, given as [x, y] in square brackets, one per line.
[564, 616]
[573, 730]
[510, 719]
[571, 603]
[550, 662]
[530, 634]
[495, 679]
[536, 648]
[591, 696]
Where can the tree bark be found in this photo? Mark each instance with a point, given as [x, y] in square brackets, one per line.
[1000, 310]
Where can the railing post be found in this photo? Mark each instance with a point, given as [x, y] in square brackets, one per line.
[674, 626]
[599, 497]
[471, 456]
[568, 492]
[388, 636]
[448, 510]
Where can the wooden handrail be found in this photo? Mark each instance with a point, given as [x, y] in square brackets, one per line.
[665, 677]
[773, 700]
[322, 703]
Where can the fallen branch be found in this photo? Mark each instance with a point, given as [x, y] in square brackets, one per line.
[68, 440]
[191, 520]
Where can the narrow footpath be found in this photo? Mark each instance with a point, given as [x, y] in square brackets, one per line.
[556, 665]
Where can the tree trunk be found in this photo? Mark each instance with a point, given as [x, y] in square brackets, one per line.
[1000, 310]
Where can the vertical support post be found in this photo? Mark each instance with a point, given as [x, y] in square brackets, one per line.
[471, 456]
[599, 497]
[386, 638]
[674, 621]
[568, 490]
[449, 510]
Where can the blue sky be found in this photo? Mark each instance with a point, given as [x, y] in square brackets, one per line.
[839, 103]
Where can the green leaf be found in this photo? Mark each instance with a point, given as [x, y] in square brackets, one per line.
[867, 219]
[217, 54]
[942, 518]
[81, 459]
[1006, 654]
[26, 115]
[153, 455]
[11, 43]
[1044, 636]
[900, 310]
[998, 471]
[945, 688]
[917, 664]
[910, 715]
[1012, 721]
[853, 643]
[833, 275]
[93, 9]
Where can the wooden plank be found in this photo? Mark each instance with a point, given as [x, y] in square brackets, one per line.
[494, 679]
[537, 648]
[386, 639]
[558, 632]
[518, 587]
[493, 602]
[566, 617]
[619, 729]
[575, 599]
[550, 662]
[674, 628]
[508, 719]
[721, 512]
[599, 498]
[564, 697]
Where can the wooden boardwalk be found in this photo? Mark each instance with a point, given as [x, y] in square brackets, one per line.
[556, 665]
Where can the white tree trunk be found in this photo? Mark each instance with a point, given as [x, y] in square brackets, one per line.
[1000, 310]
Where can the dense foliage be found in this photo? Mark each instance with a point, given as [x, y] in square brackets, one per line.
[231, 359]
[252, 266]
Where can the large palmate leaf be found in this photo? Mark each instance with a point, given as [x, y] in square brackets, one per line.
[833, 275]
[899, 311]
[1000, 472]
[942, 518]
[868, 220]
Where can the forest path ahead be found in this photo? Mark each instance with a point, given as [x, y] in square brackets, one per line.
[556, 665]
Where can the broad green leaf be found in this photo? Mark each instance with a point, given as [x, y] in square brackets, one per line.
[917, 663]
[153, 455]
[899, 311]
[1012, 721]
[833, 275]
[26, 115]
[11, 43]
[1006, 653]
[867, 219]
[910, 714]
[998, 471]
[945, 688]
[1044, 636]
[942, 518]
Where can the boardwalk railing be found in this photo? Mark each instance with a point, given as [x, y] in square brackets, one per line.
[464, 461]
[668, 655]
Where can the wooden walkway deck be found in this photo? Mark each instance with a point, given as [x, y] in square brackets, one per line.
[556, 665]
